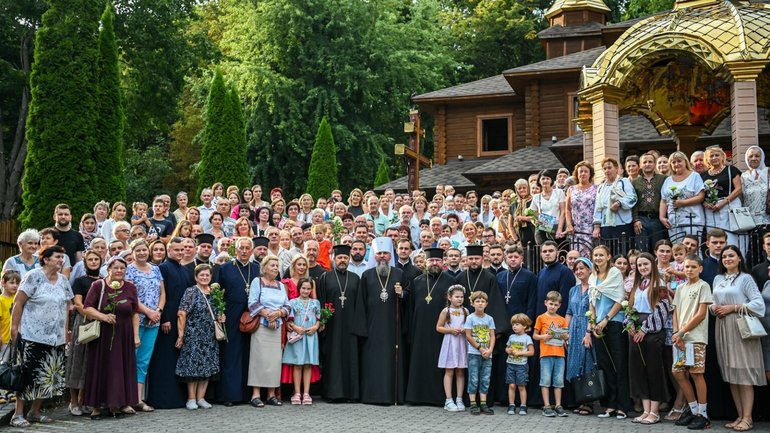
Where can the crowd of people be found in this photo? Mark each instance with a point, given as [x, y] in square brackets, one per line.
[398, 298]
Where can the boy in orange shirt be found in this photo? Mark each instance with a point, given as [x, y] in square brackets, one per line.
[551, 331]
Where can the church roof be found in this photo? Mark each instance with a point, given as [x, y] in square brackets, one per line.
[570, 62]
[559, 6]
[559, 31]
[492, 87]
[449, 173]
[525, 160]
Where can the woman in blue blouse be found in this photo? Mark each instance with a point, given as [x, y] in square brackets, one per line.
[577, 364]
[269, 302]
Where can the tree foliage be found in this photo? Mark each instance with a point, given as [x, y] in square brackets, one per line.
[382, 173]
[109, 154]
[355, 63]
[223, 155]
[643, 8]
[63, 113]
[145, 171]
[322, 174]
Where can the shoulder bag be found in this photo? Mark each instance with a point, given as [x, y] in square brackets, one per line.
[589, 386]
[740, 218]
[219, 333]
[11, 377]
[749, 326]
[247, 323]
[92, 330]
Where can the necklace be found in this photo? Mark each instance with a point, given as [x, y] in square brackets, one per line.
[429, 298]
[342, 289]
[509, 285]
[384, 292]
[246, 279]
[468, 276]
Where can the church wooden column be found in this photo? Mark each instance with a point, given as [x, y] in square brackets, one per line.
[585, 123]
[743, 108]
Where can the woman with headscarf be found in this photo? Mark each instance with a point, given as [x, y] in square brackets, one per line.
[88, 228]
[755, 185]
[578, 305]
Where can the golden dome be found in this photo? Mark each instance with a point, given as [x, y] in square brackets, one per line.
[719, 33]
[565, 5]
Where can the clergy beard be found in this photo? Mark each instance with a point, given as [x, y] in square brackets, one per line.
[474, 268]
[342, 267]
[434, 270]
[383, 269]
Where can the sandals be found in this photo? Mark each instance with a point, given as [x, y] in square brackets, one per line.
[19, 421]
[128, 410]
[620, 414]
[608, 414]
[674, 414]
[640, 418]
[144, 407]
[584, 410]
[744, 425]
[730, 425]
[96, 417]
[273, 401]
[306, 400]
[296, 399]
[42, 419]
[257, 402]
[652, 418]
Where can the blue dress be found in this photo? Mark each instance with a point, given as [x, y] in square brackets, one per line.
[304, 351]
[577, 307]
[199, 357]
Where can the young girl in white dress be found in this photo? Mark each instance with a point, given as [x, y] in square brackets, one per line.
[454, 349]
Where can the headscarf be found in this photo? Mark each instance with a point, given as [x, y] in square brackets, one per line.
[611, 287]
[584, 260]
[89, 236]
[760, 173]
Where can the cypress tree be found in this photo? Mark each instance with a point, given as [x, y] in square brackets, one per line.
[62, 113]
[382, 174]
[223, 153]
[322, 174]
[110, 155]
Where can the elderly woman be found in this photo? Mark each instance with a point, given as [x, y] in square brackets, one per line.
[306, 207]
[182, 200]
[681, 211]
[269, 303]
[726, 183]
[522, 224]
[28, 242]
[579, 208]
[119, 212]
[754, 183]
[75, 372]
[152, 298]
[740, 361]
[199, 357]
[111, 367]
[121, 231]
[39, 327]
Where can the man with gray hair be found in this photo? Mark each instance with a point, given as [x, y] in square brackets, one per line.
[207, 208]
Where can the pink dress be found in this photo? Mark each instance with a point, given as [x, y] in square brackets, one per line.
[454, 348]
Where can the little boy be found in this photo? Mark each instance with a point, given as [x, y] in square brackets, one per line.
[551, 331]
[479, 332]
[10, 284]
[691, 324]
[519, 347]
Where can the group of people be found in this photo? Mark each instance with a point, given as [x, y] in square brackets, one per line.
[396, 299]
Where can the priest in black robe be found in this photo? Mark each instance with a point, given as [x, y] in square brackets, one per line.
[339, 346]
[476, 278]
[427, 298]
[164, 390]
[379, 319]
[235, 278]
[518, 287]
[205, 247]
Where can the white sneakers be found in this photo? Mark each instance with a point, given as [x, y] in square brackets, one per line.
[450, 406]
[191, 405]
[459, 404]
[203, 404]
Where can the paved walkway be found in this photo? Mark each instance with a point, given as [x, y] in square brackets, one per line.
[322, 417]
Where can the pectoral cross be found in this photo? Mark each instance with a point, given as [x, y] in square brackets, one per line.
[342, 300]
[507, 297]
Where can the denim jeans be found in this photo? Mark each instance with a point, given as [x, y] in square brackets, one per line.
[652, 232]
[479, 371]
[552, 371]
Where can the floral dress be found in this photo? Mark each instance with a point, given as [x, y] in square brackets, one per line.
[582, 207]
[577, 308]
[199, 358]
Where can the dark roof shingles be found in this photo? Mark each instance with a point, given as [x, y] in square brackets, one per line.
[525, 160]
[491, 86]
[574, 61]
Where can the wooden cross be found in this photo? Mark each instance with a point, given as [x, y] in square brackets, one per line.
[412, 151]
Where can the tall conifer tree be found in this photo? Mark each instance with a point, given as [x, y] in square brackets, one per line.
[322, 174]
[382, 174]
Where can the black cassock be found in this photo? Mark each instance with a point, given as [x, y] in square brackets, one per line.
[339, 346]
[383, 325]
[425, 383]
[234, 353]
[164, 391]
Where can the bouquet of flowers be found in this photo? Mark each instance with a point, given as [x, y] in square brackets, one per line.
[592, 321]
[326, 313]
[712, 192]
[112, 304]
[632, 317]
[676, 194]
[337, 229]
[218, 298]
[532, 214]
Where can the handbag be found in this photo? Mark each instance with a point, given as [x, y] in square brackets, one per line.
[248, 323]
[749, 326]
[589, 386]
[90, 331]
[740, 218]
[219, 333]
[11, 377]
[293, 337]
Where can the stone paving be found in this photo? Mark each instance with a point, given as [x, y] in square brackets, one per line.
[323, 417]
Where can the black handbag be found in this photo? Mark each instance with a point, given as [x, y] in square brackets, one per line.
[589, 386]
[10, 371]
